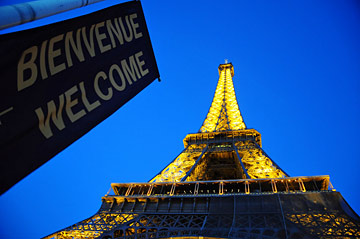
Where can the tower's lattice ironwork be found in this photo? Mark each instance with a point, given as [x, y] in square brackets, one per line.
[222, 185]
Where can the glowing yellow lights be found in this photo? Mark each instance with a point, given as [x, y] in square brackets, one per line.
[326, 224]
[224, 160]
[93, 227]
[258, 165]
[177, 169]
[224, 113]
[223, 123]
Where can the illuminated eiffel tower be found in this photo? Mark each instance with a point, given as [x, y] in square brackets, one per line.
[222, 185]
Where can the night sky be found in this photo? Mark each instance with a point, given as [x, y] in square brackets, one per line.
[297, 81]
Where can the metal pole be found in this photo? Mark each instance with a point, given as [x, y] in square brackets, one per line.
[17, 14]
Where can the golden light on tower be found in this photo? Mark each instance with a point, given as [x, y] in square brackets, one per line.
[222, 185]
[223, 120]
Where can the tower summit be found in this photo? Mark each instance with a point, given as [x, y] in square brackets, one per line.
[222, 185]
[225, 148]
[224, 113]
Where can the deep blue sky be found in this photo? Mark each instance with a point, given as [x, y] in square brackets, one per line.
[297, 81]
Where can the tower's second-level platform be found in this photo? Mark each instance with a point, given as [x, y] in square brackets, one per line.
[223, 137]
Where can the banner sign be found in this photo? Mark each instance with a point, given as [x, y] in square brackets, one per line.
[59, 81]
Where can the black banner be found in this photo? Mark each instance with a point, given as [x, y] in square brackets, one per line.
[59, 81]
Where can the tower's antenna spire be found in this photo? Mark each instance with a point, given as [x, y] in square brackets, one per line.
[224, 113]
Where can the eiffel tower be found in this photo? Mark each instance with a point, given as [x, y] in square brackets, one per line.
[222, 185]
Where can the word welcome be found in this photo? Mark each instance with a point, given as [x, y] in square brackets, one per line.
[105, 83]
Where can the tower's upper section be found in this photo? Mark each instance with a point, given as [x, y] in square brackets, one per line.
[224, 113]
